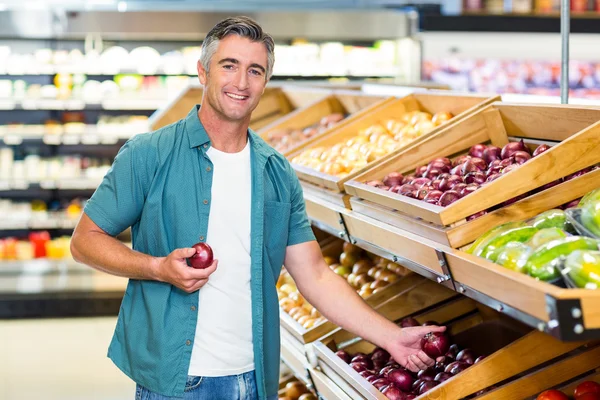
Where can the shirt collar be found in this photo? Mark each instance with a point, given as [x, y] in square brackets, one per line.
[198, 136]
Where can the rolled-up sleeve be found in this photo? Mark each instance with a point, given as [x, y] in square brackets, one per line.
[300, 230]
[118, 202]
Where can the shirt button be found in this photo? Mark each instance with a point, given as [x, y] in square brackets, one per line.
[205, 201]
[188, 342]
[201, 237]
[205, 146]
[208, 169]
[193, 308]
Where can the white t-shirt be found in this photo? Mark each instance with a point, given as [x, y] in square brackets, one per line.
[223, 341]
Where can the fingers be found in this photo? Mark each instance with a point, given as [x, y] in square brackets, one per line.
[182, 253]
[203, 273]
[196, 286]
[433, 328]
[425, 358]
[416, 361]
[411, 366]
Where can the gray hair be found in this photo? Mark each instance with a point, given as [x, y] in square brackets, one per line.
[244, 27]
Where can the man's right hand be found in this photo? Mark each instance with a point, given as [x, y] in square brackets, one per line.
[174, 270]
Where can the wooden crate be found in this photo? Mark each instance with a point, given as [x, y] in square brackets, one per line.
[535, 298]
[506, 343]
[351, 104]
[572, 130]
[459, 105]
[578, 367]
[276, 102]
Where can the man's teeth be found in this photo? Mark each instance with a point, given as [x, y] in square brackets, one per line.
[235, 96]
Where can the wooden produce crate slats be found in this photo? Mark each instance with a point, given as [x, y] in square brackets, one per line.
[325, 215]
[401, 243]
[533, 349]
[460, 105]
[540, 380]
[569, 388]
[327, 389]
[589, 305]
[295, 360]
[509, 287]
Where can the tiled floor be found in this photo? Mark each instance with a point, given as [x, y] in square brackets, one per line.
[60, 359]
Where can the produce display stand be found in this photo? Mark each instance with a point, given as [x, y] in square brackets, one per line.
[353, 105]
[506, 342]
[572, 131]
[277, 101]
[430, 101]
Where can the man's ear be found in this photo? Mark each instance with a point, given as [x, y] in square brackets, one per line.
[202, 74]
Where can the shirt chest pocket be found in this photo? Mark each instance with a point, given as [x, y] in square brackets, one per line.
[277, 221]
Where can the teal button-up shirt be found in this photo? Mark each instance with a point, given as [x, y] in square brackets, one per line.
[160, 185]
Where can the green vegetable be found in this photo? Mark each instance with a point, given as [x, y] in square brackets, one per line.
[590, 216]
[546, 235]
[520, 234]
[583, 267]
[514, 256]
[478, 246]
[594, 195]
[551, 219]
[542, 262]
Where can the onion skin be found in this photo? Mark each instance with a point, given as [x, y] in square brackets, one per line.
[578, 173]
[344, 356]
[475, 177]
[408, 322]
[521, 157]
[448, 183]
[439, 165]
[442, 377]
[466, 355]
[380, 355]
[406, 189]
[478, 359]
[468, 166]
[479, 163]
[477, 150]
[375, 183]
[460, 160]
[476, 215]
[402, 379]
[435, 344]
[419, 182]
[393, 393]
[380, 383]
[456, 367]
[540, 149]
[491, 154]
[426, 372]
[420, 170]
[433, 197]
[393, 179]
[468, 190]
[448, 198]
[510, 148]
[444, 160]
[386, 370]
[452, 351]
[427, 386]
[203, 258]
[408, 179]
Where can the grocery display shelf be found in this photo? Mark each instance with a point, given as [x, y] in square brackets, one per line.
[58, 221]
[87, 137]
[50, 184]
[41, 266]
[61, 105]
[482, 22]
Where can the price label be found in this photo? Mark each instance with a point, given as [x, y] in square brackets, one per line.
[7, 104]
[29, 104]
[90, 138]
[13, 140]
[52, 139]
[48, 184]
[71, 139]
[20, 184]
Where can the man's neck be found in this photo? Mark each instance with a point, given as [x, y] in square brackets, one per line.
[225, 136]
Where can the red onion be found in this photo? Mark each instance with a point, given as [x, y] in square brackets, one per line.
[393, 179]
[430, 323]
[479, 163]
[456, 170]
[374, 183]
[436, 183]
[494, 163]
[203, 257]
[380, 383]
[448, 198]
[491, 154]
[540, 149]
[521, 157]
[392, 363]
[433, 196]
[578, 173]
[366, 373]
[452, 351]
[380, 355]
[402, 379]
[384, 187]
[414, 194]
[506, 162]
[408, 179]
[344, 356]
[477, 150]
[359, 366]
[493, 177]
[571, 204]
[459, 187]
[408, 322]
[476, 215]
[395, 189]
[442, 166]
[494, 170]
[468, 190]
[506, 170]
[467, 167]
[419, 171]
[450, 182]
[426, 372]
[460, 160]
[419, 182]
[479, 359]
[423, 192]
[393, 393]
[444, 175]
[510, 148]
[410, 397]
[372, 378]
[466, 355]
[432, 173]
[386, 370]
[444, 160]
[474, 177]
[406, 189]
[435, 344]
[456, 367]
[442, 377]
[427, 386]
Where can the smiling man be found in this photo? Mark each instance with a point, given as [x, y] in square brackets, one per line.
[214, 333]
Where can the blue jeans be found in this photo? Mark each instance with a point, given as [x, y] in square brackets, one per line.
[233, 387]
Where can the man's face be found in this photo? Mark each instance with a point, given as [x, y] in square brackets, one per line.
[236, 79]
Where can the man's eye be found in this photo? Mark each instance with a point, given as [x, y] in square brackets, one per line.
[255, 72]
[228, 66]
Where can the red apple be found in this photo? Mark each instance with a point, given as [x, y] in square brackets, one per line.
[203, 257]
